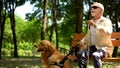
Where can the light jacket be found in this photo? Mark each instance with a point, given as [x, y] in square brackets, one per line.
[103, 36]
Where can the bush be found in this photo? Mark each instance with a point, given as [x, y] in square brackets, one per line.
[118, 52]
[24, 49]
[5, 52]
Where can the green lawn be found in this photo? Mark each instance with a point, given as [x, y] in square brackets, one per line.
[20, 63]
[34, 62]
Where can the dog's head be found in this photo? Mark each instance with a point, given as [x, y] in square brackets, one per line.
[44, 45]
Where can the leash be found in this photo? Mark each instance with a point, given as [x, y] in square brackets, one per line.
[58, 64]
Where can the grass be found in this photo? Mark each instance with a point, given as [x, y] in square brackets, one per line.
[34, 62]
[24, 62]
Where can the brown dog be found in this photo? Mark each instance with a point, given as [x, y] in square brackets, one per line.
[49, 55]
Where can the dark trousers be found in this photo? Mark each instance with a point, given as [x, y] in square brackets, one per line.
[96, 54]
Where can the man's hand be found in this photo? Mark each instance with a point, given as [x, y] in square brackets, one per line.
[91, 23]
[80, 43]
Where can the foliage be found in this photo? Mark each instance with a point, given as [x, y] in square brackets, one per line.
[118, 52]
[28, 31]
[27, 35]
[25, 49]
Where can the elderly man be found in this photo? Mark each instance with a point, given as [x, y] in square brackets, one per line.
[97, 39]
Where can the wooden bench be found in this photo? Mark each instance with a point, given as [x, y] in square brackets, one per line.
[115, 40]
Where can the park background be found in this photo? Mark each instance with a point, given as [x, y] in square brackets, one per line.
[53, 20]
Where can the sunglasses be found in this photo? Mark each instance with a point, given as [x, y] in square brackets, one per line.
[94, 7]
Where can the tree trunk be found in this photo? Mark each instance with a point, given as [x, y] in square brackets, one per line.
[54, 12]
[79, 15]
[57, 39]
[51, 32]
[44, 19]
[12, 20]
[1, 28]
[2, 25]
[116, 26]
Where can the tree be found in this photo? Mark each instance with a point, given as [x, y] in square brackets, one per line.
[44, 20]
[79, 15]
[2, 23]
[8, 8]
[54, 21]
[12, 6]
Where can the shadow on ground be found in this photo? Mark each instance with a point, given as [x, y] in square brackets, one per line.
[20, 63]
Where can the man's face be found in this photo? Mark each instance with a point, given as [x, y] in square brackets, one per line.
[95, 10]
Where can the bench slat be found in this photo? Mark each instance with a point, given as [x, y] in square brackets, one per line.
[78, 37]
[115, 35]
[116, 42]
[112, 59]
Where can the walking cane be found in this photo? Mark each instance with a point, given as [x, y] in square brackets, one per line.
[89, 43]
